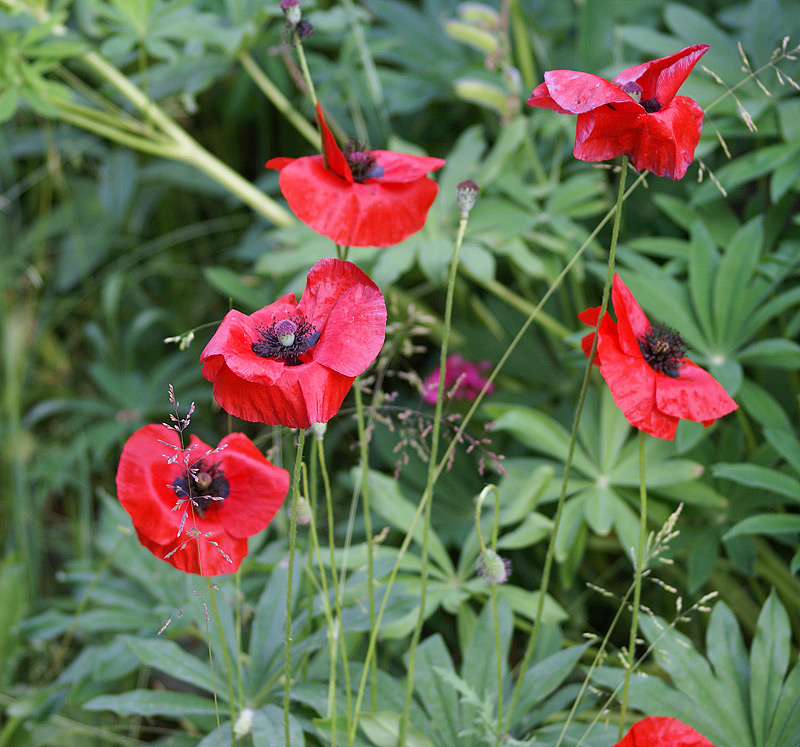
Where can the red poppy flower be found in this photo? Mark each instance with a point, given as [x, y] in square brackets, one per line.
[360, 198]
[637, 113]
[644, 366]
[195, 508]
[293, 363]
[660, 731]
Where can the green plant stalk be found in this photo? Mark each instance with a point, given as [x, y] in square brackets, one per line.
[437, 417]
[301, 56]
[337, 598]
[237, 580]
[364, 456]
[522, 47]
[226, 656]
[277, 99]
[637, 584]
[548, 562]
[287, 662]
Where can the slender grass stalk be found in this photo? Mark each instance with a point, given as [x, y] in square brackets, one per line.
[226, 656]
[287, 662]
[337, 597]
[364, 457]
[437, 418]
[548, 562]
[637, 584]
[301, 56]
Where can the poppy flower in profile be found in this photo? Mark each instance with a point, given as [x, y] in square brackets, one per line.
[358, 197]
[660, 731]
[462, 380]
[196, 507]
[293, 363]
[644, 366]
[636, 114]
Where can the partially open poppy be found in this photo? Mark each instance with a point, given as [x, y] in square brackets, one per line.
[196, 507]
[359, 197]
[661, 731]
[644, 366]
[293, 363]
[637, 113]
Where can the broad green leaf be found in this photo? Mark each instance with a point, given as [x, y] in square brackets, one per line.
[755, 476]
[785, 727]
[769, 660]
[534, 528]
[597, 502]
[269, 728]
[171, 659]
[776, 352]
[438, 698]
[703, 262]
[770, 524]
[762, 406]
[249, 292]
[153, 703]
[383, 729]
[786, 445]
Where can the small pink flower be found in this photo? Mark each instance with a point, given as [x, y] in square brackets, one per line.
[462, 380]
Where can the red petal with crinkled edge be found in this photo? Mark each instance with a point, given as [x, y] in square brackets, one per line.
[661, 79]
[694, 395]
[304, 394]
[348, 310]
[541, 97]
[370, 214]
[257, 487]
[632, 323]
[603, 134]
[661, 731]
[608, 328]
[403, 167]
[333, 154]
[579, 93]
[668, 139]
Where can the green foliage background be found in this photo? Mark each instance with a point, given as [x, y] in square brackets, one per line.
[116, 233]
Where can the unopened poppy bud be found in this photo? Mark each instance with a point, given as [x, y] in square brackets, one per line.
[303, 516]
[244, 724]
[492, 567]
[291, 9]
[466, 192]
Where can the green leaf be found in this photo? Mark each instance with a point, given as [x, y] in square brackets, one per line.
[785, 727]
[769, 660]
[776, 352]
[246, 291]
[703, 262]
[438, 698]
[762, 406]
[152, 703]
[168, 657]
[534, 528]
[770, 524]
[786, 445]
[526, 603]
[383, 730]
[764, 478]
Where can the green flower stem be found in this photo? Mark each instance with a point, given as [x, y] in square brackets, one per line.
[301, 56]
[637, 584]
[498, 654]
[437, 418]
[364, 455]
[337, 597]
[226, 656]
[287, 663]
[548, 563]
[331, 629]
[277, 99]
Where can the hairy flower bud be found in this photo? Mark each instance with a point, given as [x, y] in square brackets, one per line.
[244, 723]
[291, 9]
[466, 192]
[492, 567]
[304, 515]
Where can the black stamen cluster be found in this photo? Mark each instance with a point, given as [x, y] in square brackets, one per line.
[203, 484]
[270, 346]
[362, 162]
[651, 106]
[663, 350]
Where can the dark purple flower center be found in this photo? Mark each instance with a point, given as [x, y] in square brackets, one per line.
[204, 484]
[286, 340]
[663, 350]
[634, 90]
[363, 164]
[651, 106]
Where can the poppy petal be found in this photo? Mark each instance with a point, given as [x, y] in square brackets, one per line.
[403, 167]
[211, 562]
[353, 312]
[304, 394]
[662, 731]
[278, 163]
[632, 322]
[607, 328]
[579, 93]
[668, 139]
[603, 134]
[661, 79]
[333, 154]
[257, 487]
[541, 97]
[370, 214]
[694, 395]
